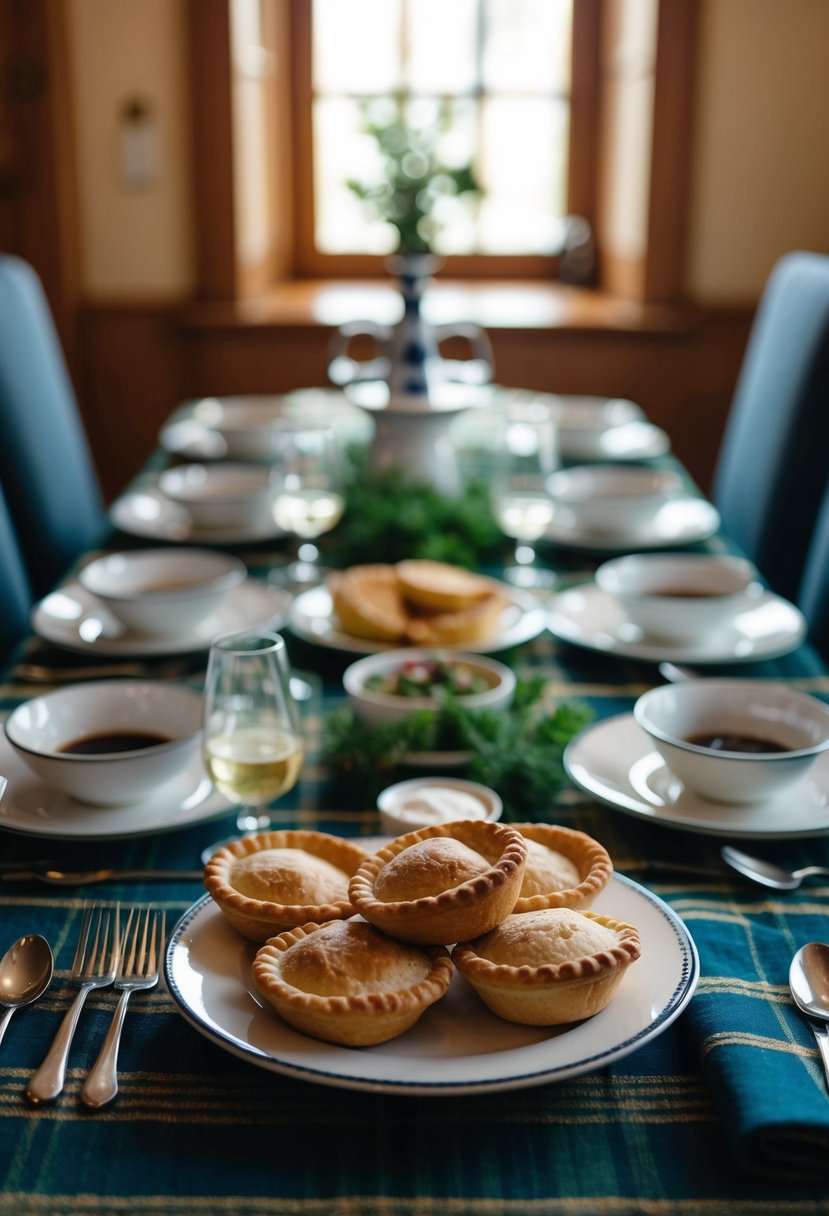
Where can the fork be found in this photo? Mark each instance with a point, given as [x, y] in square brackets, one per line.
[141, 948]
[94, 966]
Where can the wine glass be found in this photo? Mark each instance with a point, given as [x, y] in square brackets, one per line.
[526, 455]
[307, 487]
[252, 742]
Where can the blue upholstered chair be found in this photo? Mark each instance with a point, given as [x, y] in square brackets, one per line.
[813, 597]
[15, 592]
[773, 464]
[46, 468]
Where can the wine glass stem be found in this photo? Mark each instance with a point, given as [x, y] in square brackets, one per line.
[251, 820]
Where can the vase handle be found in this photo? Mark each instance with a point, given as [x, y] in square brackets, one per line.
[480, 366]
[342, 368]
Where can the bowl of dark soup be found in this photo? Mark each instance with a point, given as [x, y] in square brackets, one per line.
[108, 743]
[734, 741]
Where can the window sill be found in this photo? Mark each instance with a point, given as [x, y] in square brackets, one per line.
[327, 304]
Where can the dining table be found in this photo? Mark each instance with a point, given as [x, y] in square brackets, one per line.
[697, 1092]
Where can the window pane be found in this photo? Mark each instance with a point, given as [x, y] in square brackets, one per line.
[343, 151]
[442, 46]
[523, 167]
[356, 46]
[527, 46]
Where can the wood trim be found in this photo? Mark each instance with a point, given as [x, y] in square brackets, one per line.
[672, 140]
[584, 110]
[211, 92]
[302, 127]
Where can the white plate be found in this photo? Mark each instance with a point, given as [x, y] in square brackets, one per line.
[615, 762]
[458, 1046]
[682, 521]
[35, 809]
[150, 513]
[74, 618]
[636, 440]
[311, 617]
[589, 617]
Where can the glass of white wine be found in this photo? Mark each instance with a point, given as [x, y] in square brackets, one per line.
[526, 455]
[307, 489]
[252, 741]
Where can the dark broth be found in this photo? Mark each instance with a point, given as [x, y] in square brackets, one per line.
[752, 744]
[109, 742]
[686, 593]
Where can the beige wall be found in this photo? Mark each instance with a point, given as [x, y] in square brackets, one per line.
[760, 181]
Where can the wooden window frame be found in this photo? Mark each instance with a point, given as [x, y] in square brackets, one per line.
[654, 276]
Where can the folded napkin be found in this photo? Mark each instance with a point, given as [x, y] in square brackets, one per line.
[757, 1051]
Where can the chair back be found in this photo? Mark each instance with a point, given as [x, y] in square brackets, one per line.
[15, 591]
[813, 598]
[773, 464]
[46, 467]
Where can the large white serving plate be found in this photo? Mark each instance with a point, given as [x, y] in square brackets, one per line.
[73, 618]
[615, 762]
[458, 1046]
[312, 618]
[33, 808]
[150, 514]
[681, 521]
[589, 617]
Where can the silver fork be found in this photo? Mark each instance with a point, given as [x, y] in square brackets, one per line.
[141, 948]
[94, 966]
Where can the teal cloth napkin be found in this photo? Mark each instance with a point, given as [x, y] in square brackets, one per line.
[757, 1051]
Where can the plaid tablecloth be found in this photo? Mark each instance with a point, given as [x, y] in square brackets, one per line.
[725, 1112]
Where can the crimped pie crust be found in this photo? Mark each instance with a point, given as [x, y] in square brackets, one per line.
[566, 965]
[347, 982]
[417, 890]
[564, 869]
[303, 877]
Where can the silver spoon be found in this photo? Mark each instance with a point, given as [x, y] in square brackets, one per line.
[766, 873]
[25, 974]
[809, 986]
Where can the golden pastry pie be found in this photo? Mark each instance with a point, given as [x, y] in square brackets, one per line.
[275, 880]
[346, 982]
[565, 868]
[443, 883]
[473, 624]
[549, 967]
[439, 587]
[368, 603]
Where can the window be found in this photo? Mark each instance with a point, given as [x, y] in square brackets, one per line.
[492, 79]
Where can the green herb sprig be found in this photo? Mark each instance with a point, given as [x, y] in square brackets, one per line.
[518, 752]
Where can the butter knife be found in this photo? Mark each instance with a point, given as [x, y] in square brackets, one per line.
[49, 872]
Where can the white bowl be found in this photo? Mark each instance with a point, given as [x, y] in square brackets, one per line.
[162, 592]
[612, 498]
[679, 596]
[675, 715]
[583, 422]
[244, 424]
[227, 494]
[377, 707]
[422, 801]
[39, 728]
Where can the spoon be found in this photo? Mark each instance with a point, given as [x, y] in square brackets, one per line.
[25, 974]
[809, 986]
[766, 873]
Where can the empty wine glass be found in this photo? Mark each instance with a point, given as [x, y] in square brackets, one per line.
[526, 455]
[252, 742]
[307, 487]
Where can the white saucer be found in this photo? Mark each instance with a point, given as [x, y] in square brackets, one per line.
[73, 618]
[150, 513]
[636, 440]
[35, 809]
[312, 618]
[682, 521]
[589, 617]
[614, 761]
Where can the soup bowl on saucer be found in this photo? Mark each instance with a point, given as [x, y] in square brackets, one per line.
[679, 596]
[734, 741]
[612, 499]
[108, 743]
[583, 422]
[162, 592]
[224, 495]
[245, 425]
